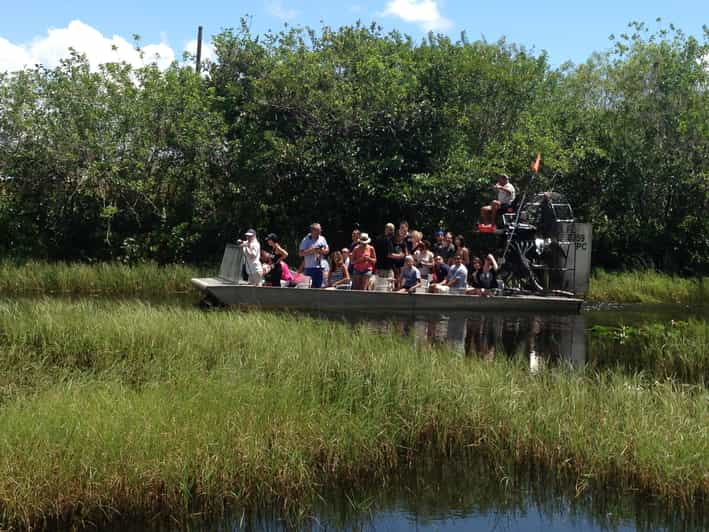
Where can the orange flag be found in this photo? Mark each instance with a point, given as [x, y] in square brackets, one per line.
[537, 163]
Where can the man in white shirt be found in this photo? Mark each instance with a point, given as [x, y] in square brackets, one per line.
[252, 254]
[505, 193]
[313, 248]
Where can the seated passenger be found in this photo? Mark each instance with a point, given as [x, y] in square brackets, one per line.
[338, 276]
[473, 283]
[410, 277]
[267, 268]
[273, 274]
[457, 279]
[486, 278]
[440, 269]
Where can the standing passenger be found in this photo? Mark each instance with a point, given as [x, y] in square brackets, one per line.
[461, 250]
[442, 247]
[423, 258]
[252, 254]
[346, 256]
[313, 248]
[363, 260]
[356, 233]
[384, 248]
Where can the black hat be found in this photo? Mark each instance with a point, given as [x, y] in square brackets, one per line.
[272, 236]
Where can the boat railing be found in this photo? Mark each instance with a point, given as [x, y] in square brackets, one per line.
[383, 284]
[232, 264]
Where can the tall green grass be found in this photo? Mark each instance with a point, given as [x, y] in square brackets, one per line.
[127, 408]
[114, 278]
[150, 279]
[674, 349]
[647, 287]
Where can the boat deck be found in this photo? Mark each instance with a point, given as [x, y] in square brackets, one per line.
[230, 293]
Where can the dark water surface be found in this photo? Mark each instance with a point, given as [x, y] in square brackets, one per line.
[541, 340]
[470, 495]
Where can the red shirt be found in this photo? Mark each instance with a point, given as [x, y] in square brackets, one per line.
[363, 251]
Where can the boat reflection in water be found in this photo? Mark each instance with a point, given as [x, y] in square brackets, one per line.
[543, 340]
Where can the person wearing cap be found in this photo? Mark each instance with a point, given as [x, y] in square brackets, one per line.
[252, 253]
[276, 248]
[410, 277]
[363, 259]
[313, 248]
[442, 246]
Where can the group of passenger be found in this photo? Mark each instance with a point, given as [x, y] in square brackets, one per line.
[399, 260]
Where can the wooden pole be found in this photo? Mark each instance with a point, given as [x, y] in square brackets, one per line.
[198, 64]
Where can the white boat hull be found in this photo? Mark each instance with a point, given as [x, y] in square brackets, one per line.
[229, 293]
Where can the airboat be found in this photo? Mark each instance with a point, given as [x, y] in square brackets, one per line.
[545, 268]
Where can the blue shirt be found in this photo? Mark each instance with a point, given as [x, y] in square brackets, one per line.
[411, 276]
[458, 276]
[311, 261]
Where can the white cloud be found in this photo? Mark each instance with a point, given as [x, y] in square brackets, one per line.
[276, 9]
[49, 49]
[425, 13]
[208, 52]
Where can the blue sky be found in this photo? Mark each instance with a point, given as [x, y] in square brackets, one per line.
[568, 30]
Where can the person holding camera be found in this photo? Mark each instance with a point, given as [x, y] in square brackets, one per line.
[313, 248]
[252, 253]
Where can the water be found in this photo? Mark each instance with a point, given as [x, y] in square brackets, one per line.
[539, 340]
[471, 495]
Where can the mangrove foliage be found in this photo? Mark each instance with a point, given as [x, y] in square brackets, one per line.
[355, 125]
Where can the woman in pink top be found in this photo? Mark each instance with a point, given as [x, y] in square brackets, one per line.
[363, 259]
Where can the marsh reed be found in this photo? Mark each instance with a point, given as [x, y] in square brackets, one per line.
[127, 408]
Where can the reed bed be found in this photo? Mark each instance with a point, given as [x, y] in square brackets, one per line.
[151, 280]
[672, 349]
[113, 278]
[125, 408]
[647, 287]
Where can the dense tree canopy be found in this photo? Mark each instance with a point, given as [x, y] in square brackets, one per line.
[354, 125]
